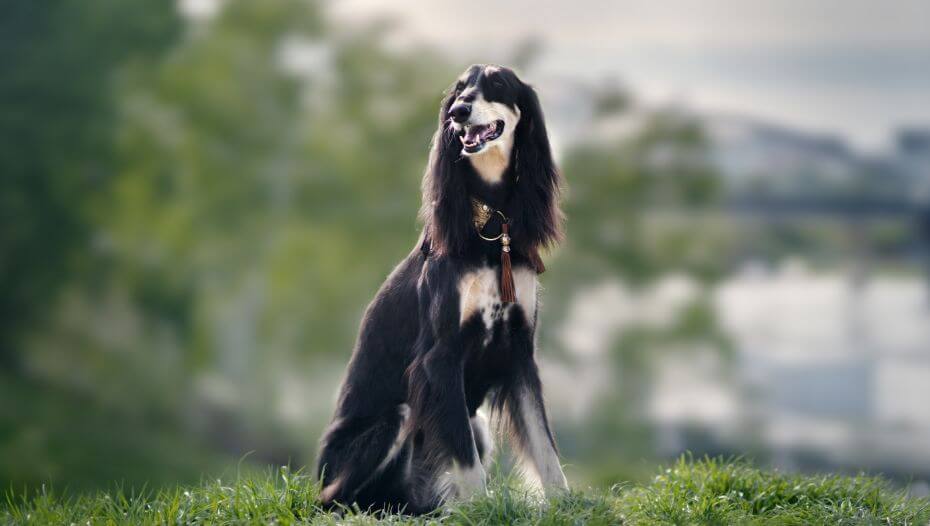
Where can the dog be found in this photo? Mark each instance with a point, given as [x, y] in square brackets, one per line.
[454, 324]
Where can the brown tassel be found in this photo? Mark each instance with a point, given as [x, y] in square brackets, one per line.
[508, 295]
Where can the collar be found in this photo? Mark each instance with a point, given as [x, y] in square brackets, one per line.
[482, 213]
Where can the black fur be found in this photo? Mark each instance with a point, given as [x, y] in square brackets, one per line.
[418, 373]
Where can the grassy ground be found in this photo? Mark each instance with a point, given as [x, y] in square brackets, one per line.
[689, 492]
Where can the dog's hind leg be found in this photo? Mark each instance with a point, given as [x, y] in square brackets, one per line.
[355, 451]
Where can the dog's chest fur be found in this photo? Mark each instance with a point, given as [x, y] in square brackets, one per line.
[479, 296]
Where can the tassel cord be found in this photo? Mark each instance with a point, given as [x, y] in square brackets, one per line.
[508, 294]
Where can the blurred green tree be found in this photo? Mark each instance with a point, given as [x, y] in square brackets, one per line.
[59, 62]
[270, 181]
[633, 199]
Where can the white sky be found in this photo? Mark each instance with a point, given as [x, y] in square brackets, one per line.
[855, 67]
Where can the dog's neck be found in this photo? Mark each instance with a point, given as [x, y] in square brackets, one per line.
[490, 181]
[491, 164]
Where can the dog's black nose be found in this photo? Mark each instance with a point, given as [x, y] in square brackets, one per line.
[460, 112]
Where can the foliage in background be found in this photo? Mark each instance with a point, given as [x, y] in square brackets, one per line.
[59, 63]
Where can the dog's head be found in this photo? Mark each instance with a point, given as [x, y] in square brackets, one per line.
[482, 108]
[489, 109]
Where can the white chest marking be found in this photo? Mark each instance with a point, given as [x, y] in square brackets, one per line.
[491, 163]
[479, 293]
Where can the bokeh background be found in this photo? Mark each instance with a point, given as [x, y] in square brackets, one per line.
[199, 197]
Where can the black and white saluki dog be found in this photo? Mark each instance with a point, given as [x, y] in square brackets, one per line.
[454, 324]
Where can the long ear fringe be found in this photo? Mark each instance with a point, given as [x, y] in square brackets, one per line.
[446, 211]
[535, 210]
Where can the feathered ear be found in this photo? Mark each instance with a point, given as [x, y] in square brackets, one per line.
[537, 219]
[445, 210]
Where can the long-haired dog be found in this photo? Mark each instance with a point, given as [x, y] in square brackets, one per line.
[454, 324]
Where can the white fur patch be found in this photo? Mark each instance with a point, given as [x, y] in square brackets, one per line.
[479, 293]
[525, 283]
[537, 450]
[482, 433]
[399, 440]
[469, 481]
[491, 163]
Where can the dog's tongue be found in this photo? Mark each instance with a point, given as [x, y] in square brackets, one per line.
[475, 133]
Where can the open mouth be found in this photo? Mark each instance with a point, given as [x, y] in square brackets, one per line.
[476, 136]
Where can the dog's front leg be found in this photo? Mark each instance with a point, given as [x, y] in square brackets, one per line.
[442, 416]
[437, 386]
[533, 437]
[526, 412]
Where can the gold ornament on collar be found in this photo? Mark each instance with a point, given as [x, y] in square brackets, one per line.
[481, 214]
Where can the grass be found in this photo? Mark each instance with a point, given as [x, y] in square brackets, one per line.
[708, 491]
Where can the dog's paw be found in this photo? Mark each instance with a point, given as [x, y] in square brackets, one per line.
[557, 486]
[469, 481]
